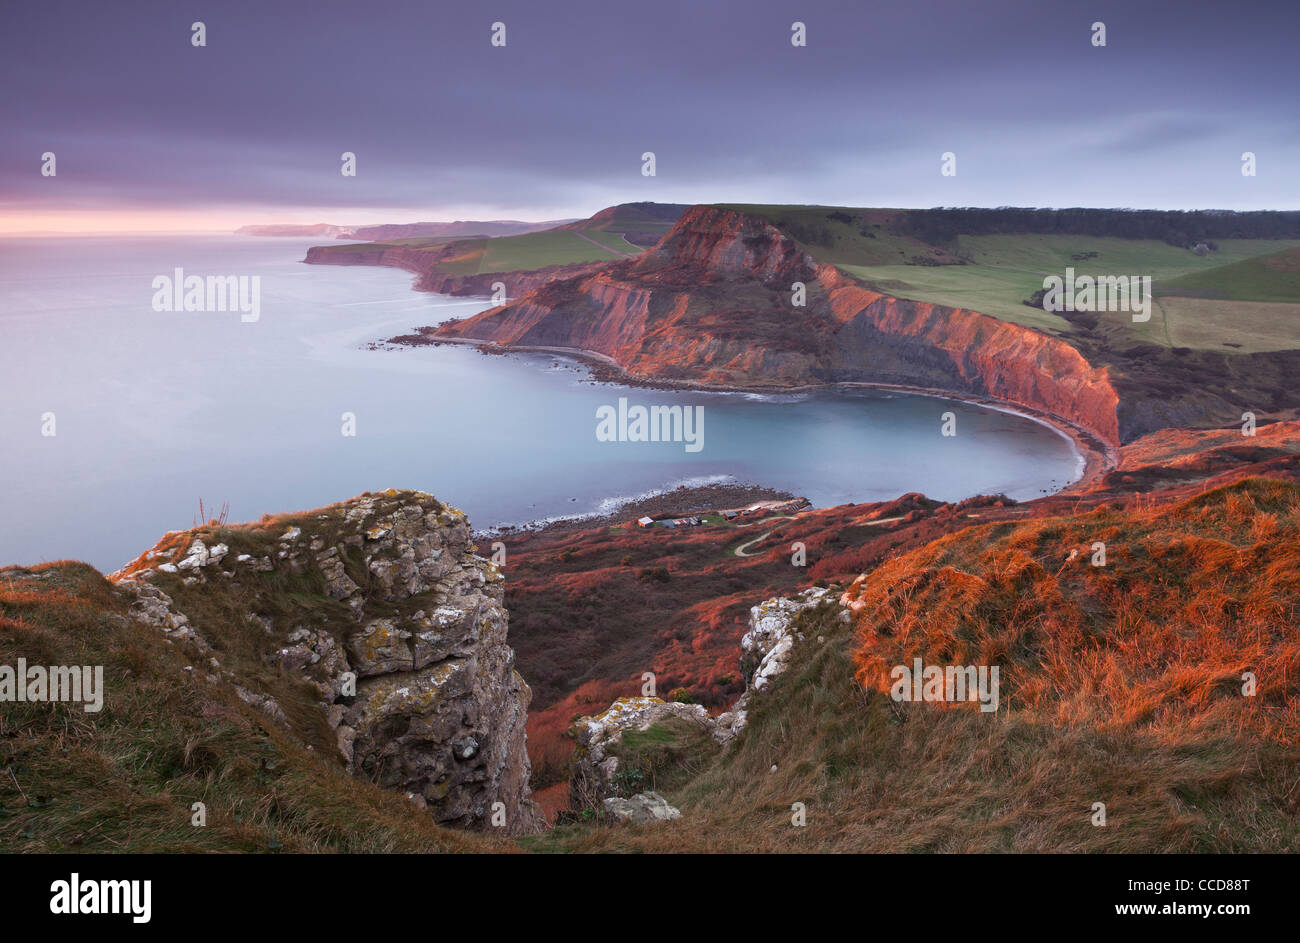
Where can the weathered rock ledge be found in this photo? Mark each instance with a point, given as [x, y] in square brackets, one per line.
[380, 611]
[767, 650]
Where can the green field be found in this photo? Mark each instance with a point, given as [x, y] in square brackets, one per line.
[995, 274]
[460, 256]
[1005, 270]
[1228, 325]
[1274, 277]
[613, 240]
[1052, 253]
[615, 233]
[424, 242]
[993, 291]
[539, 249]
[409, 242]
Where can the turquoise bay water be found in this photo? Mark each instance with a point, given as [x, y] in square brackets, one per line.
[154, 411]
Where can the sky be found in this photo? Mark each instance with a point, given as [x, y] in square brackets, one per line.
[152, 132]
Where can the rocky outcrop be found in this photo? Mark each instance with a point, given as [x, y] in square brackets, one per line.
[594, 774]
[767, 650]
[645, 808]
[712, 304]
[380, 608]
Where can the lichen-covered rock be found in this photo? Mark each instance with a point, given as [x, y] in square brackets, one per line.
[645, 808]
[594, 769]
[404, 644]
[766, 652]
[765, 648]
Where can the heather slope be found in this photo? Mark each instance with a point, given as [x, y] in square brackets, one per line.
[1121, 685]
[675, 602]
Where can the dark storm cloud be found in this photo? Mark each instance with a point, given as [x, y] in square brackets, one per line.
[437, 116]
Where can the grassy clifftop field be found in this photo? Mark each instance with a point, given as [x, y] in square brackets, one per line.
[996, 272]
[617, 232]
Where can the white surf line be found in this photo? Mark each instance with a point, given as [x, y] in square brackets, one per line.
[1080, 459]
[608, 506]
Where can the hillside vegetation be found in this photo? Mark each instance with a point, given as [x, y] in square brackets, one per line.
[1120, 685]
[614, 233]
[1274, 277]
[126, 778]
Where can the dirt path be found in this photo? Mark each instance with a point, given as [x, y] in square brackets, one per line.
[1164, 318]
[880, 520]
[620, 254]
[742, 550]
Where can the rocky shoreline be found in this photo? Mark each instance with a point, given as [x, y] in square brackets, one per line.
[681, 501]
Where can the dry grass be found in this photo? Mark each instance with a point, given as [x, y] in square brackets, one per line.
[1120, 685]
[125, 778]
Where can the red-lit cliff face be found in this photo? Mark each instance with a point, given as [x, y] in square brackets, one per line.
[712, 303]
[886, 339]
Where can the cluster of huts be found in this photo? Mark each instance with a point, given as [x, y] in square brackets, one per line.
[797, 504]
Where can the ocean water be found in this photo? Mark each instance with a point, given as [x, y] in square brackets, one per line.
[153, 411]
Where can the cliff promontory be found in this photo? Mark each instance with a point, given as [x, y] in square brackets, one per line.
[373, 632]
[718, 302]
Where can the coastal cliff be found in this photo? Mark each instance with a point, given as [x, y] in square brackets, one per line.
[371, 631]
[713, 304]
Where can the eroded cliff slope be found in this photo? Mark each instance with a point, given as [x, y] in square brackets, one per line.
[715, 302]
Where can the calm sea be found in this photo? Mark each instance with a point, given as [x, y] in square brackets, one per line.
[153, 411]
